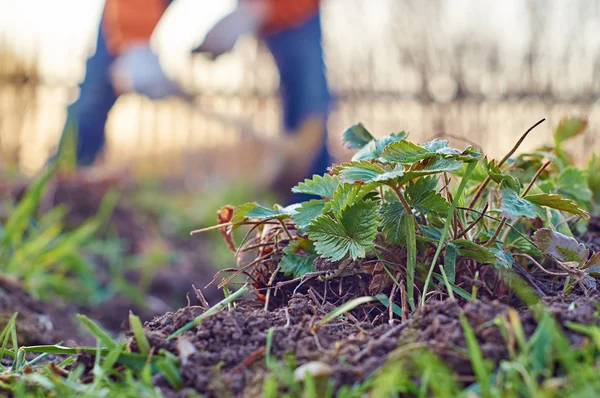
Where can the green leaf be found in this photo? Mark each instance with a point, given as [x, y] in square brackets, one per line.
[365, 171]
[239, 214]
[593, 175]
[469, 249]
[504, 258]
[557, 202]
[353, 233]
[560, 247]
[356, 136]
[347, 194]
[373, 149]
[255, 211]
[569, 127]
[392, 215]
[307, 212]
[450, 261]
[572, 183]
[498, 175]
[435, 165]
[421, 194]
[405, 152]
[441, 146]
[319, 186]
[298, 258]
[514, 206]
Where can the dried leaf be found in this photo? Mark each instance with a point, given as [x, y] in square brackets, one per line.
[224, 215]
[560, 247]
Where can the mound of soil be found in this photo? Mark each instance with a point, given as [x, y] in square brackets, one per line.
[225, 354]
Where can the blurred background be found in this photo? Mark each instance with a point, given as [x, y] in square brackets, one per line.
[475, 71]
[483, 70]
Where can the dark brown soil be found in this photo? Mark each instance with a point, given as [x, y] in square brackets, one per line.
[225, 355]
[37, 323]
[592, 237]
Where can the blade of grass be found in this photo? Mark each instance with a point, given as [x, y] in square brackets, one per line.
[97, 331]
[385, 300]
[171, 373]
[476, 357]
[211, 311]
[5, 335]
[342, 309]
[138, 333]
[16, 224]
[269, 345]
[449, 218]
[411, 258]
[457, 289]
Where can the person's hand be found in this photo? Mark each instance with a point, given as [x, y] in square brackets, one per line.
[138, 70]
[246, 18]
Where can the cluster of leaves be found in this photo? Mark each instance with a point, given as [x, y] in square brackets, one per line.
[563, 177]
[398, 193]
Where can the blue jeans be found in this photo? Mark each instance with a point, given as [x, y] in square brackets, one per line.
[298, 54]
[87, 116]
[299, 57]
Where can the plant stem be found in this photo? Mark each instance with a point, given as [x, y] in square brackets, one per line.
[474, 223]
[534, 261]
[496, 232]
[535, 177]
[405, 204]
[449, 217]
[221, 305]
[287, 232]
[503, 221]
[228, 224]
[412, 226]
[504, 159]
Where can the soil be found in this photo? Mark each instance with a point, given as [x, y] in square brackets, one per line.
[225, 354]
[37, 323]
[592, 237]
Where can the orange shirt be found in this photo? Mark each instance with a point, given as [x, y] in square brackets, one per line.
[128, 21]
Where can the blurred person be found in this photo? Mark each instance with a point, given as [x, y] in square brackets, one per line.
[125, 62]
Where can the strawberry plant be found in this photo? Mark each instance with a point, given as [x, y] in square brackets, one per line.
[405, 215]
